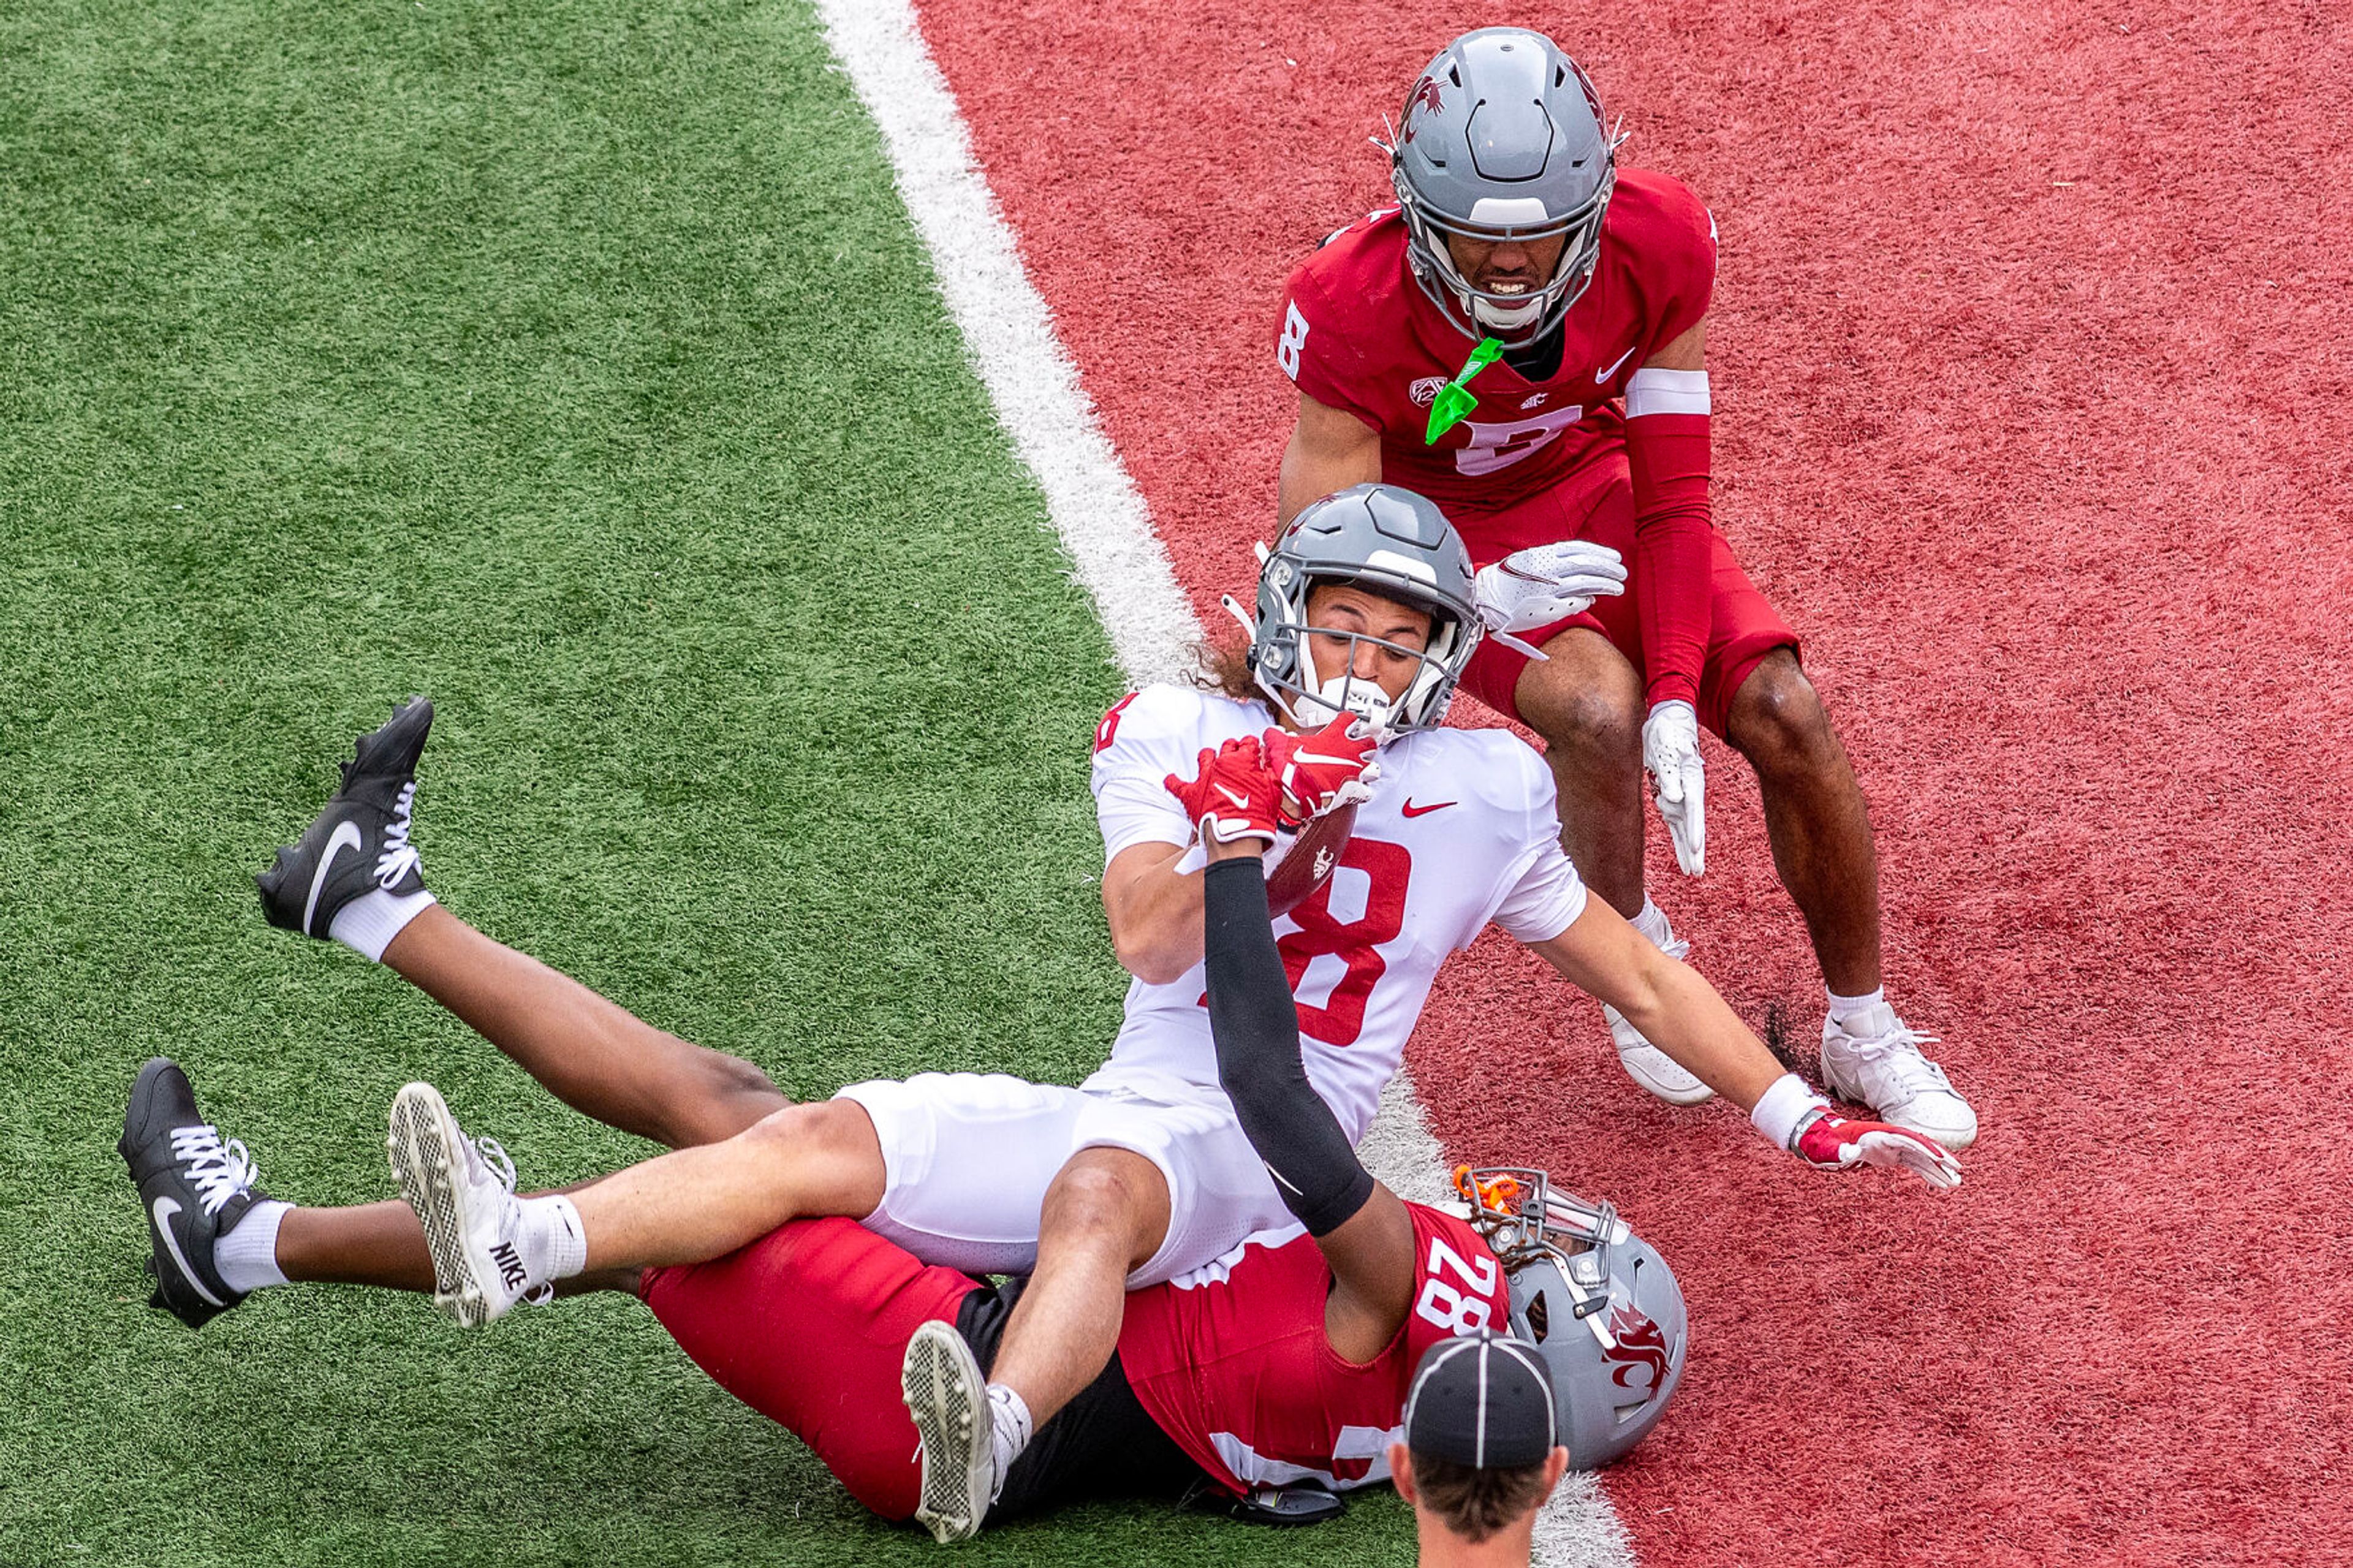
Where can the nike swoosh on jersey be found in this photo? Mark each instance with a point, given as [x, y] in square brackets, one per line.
[1603, 377]
[1409, 809]
[347, 836]
[164, 1210]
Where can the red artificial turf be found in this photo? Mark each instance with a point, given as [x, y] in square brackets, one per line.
[2031, 369]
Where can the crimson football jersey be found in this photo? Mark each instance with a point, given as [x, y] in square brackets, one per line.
[1230, 1360]
[1357, 333]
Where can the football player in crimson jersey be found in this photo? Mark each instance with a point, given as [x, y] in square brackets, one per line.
[1287, 1359]
[1367, 611]
[1514, 223]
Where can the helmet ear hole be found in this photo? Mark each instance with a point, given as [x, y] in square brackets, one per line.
[1539, 1318]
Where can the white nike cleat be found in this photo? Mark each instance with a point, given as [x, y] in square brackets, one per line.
[463, 1192]
[1645, 1063]
[949, 1400]
[1874, 1057]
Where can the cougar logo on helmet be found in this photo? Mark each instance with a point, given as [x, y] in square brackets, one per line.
[1598, 1303]
[1425, 96]
[1640, 1343]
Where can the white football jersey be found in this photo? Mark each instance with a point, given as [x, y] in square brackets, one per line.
[1461, 830]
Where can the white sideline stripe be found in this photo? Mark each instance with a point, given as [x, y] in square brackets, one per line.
[1100, 515]
[1094, 504]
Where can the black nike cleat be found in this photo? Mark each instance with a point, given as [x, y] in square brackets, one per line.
[192, 1187]
[360, 842]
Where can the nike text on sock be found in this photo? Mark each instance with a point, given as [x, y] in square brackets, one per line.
[1008, 1431]
[1845, 1007]
[1653, 923]
[553, 1244]
[368, 923]
[247, 1254]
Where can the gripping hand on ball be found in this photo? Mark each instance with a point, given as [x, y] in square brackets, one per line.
[1544, 586]
[1671, 755]
[1231, 795]
[1321, 773]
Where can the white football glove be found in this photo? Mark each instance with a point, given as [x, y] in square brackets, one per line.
[1538, 586]
[1671, 755]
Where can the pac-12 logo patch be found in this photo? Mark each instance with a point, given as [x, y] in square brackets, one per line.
[1425, 391]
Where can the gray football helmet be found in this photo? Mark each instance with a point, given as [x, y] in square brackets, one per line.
[1395, 543]
[1503, 137]
[1598, 1301]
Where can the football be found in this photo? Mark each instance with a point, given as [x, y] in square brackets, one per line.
[1307, 864]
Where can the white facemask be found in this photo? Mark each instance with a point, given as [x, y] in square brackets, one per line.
[1341, 695]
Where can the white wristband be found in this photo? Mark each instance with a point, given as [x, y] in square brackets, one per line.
[1782, 1107]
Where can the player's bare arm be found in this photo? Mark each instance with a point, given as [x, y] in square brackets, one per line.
[1155, 910]
[1670, 1002]
[1330, 449]
[1682, 1014]
[1687, 352]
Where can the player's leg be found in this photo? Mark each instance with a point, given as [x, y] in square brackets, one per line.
[1754, 694]
[809, 1326]
[215, 1237]
[1815, 816]
[1157, 1188]
[590, 1053]
[354, 877]
[1105, 1217]
[954, 1165]
[1586, 700]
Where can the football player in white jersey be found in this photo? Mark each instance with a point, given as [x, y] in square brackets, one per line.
[1366, 612]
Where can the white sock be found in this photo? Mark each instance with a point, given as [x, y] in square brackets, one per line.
[368, 923]
[1008, 1431]
[1783, 1106]
[1845, 1007]
[553, 1244]
[1653, 923]
[247, 1256]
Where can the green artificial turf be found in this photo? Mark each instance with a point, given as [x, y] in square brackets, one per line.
[573, 363]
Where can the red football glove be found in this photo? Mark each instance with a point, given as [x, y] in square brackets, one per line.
[1321, 773]
[1829, 1142]
[1232, 796]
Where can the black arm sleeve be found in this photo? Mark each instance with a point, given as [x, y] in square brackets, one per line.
[1255, 1024]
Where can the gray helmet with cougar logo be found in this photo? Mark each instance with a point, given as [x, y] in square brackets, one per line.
[1395, 543]
[1598, 1301]
[1503, 135]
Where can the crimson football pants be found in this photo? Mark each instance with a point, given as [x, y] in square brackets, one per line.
[1595, 502]
[808, 1325]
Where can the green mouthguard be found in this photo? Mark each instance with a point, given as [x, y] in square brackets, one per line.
[1454, 400]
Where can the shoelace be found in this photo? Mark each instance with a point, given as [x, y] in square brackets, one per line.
[495, 1156]
[1897, 1054]
[218, 1171]
[502, 1165]
[400, 857]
